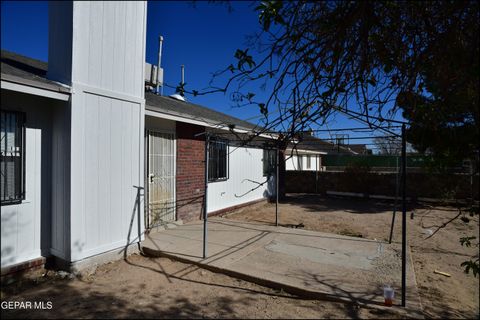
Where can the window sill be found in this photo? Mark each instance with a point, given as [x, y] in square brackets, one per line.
[13, 203]
[218, 180]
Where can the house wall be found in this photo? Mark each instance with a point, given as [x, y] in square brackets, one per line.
[242, 186]
[60, 185]
[245, 173]
[190, 180]
[107, 50]
[292, 162]
[25, 227]
[105, 207]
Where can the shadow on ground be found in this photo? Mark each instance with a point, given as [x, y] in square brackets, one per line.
[320, 203]
[141, 287]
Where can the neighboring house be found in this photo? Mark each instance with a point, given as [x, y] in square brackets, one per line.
[90, 160]
[306, 153]
[360, 149]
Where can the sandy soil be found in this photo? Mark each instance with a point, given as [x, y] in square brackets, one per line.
[442, 297]
[160, 288]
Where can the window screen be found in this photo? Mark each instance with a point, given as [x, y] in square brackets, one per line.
[12, 151]
[217, 160]
[309, 162]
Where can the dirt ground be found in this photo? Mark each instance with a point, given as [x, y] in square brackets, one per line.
[142, 287]
[442, 297]
[160, 288]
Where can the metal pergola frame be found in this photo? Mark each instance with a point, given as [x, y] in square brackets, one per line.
[403, 195]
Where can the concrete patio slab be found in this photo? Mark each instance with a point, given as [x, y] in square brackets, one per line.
[308, 263]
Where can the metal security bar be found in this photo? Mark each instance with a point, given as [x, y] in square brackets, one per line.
[161, 178]
[269, 161]
[12, 148]
[218, 160]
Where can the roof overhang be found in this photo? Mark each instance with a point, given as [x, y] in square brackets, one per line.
[204, 123]
[13, 83]
[304, 151]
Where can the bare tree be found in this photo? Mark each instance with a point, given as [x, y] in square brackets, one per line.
[391, 146]
[366, 59]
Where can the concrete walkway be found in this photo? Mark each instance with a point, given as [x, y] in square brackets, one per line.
[307, 263]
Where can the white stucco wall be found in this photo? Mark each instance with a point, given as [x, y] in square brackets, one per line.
[245, 173]
[25, 227]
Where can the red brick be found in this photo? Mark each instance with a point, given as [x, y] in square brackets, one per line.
[190, 171]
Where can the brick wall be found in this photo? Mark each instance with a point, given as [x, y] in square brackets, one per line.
[190, 171]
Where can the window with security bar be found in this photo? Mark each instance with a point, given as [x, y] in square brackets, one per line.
[269, 161]
[12, 150]
[217, 160]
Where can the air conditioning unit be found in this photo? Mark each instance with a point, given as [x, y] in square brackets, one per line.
[151, 74]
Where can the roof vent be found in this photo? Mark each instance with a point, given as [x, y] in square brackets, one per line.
[176, 96]
[179, 95]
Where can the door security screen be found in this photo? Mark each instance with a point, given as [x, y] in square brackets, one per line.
[161, 178]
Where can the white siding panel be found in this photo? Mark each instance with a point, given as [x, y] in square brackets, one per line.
[93, 49]
[111, 144]
[60, 172]
[104, 161]
[92, 170]
[107, 124]
[245, 174]
[116, 128]
[139, 52]
[80, 55]
[78, 173]
[119, 47]
[109, 45]
[128, 77]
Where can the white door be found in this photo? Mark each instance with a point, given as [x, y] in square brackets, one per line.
[161, 178]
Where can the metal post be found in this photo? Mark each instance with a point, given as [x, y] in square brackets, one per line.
[160, 46]
[404, 215]
[277, 177]
[205, 215]
[395, 205]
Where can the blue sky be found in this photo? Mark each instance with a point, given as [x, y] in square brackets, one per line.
[203, 37]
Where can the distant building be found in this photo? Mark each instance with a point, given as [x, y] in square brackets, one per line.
[360, 149]
[306, 151]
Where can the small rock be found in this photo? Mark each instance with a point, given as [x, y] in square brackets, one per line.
[428, 232]
[63, 274]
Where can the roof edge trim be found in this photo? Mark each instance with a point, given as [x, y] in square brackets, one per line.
[13, 86]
